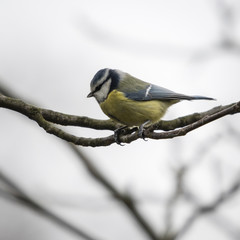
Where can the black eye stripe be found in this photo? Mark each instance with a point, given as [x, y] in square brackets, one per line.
[100, 85]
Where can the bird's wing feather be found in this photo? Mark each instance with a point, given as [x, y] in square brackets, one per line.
[154, 92]
[139, 90]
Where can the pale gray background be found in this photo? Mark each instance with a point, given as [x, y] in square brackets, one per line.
[50, 50]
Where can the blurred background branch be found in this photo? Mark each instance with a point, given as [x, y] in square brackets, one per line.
[202, 209]
[124, 198]
[18, 195]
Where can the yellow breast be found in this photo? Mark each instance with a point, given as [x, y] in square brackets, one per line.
[133, 113]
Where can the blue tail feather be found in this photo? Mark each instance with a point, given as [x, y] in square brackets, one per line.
[201, 98]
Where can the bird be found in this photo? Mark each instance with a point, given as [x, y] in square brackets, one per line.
[133, 102]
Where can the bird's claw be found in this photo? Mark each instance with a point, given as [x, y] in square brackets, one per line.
[141, 130]
[117, 132]
[141, 133]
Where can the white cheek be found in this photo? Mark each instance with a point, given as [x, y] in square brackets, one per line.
[101, 95]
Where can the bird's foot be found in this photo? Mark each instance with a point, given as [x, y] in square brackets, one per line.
[117, 133]
[141, 130]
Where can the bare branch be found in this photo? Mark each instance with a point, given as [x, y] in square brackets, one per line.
[44, 116]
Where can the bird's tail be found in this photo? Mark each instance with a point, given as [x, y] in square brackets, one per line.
[200, 98]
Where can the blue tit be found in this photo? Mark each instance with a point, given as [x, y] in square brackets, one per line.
[131, 101]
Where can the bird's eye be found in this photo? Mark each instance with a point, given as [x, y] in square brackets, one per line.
[98, 88]
[100, 85]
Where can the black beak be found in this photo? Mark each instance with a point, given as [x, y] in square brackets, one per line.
[90, 95]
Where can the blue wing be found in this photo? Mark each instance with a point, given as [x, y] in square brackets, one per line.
[154, 92]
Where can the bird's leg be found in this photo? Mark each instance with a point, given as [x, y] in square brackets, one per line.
[141, 130]
[117, 133]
